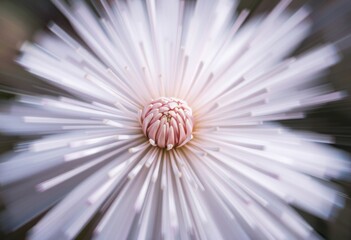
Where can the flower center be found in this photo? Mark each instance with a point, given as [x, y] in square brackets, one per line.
[167, 122]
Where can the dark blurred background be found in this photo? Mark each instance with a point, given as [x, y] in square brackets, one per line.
[21, 20]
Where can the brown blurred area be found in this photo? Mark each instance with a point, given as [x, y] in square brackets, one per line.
[20, 20]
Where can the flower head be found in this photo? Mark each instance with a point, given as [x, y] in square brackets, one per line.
[160, 125]
[167, 122]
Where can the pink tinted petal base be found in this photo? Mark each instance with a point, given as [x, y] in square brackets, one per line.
[167, 122]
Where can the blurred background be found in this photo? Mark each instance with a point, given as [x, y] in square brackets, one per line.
[21, 20]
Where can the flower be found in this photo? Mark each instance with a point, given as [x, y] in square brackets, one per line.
[160, 125]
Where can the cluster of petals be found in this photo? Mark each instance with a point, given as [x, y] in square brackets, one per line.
[167, 122]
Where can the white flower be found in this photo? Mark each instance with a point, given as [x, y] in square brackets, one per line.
[162, 128]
